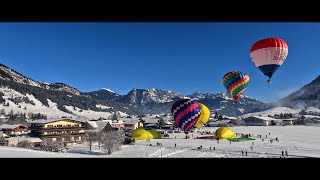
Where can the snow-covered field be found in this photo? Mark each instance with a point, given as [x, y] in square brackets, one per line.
[278, 110]
[299, 141]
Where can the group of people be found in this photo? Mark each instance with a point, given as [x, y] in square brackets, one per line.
[244, 135]
[284, 153]
[243, 153]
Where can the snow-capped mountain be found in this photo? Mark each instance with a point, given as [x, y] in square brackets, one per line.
[307, 96]
[104, 94]
[224, 103]
[147, 96]
[138, 101]
[199, 95]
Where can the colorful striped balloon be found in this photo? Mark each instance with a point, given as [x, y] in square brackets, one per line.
[186, 113]
[269, 54]
[236, 83]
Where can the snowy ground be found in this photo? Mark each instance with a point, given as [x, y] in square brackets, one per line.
[278, 110]
[299, 141]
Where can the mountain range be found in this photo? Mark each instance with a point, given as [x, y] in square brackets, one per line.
[137, 101]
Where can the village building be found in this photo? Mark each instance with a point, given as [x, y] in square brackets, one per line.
[63, 129]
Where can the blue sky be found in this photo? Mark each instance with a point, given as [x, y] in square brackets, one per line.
[182, 57]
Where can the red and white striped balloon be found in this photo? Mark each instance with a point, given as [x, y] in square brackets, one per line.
[269, 54]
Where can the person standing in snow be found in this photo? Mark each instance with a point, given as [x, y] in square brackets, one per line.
[175, 145]
[282, 153]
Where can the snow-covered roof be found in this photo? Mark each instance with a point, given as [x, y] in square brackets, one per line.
[266, 118]
[150, 120]
[311, 116]
[291, 119]
[93, 124]
[219, 122]
[99, 125]
[131, 122]
[167, 118]
[44, 121]
[125, 120]
[152, 124]
[31, 139]
[10, 126]
[231, 118]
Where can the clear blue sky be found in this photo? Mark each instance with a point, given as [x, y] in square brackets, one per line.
[183, 57]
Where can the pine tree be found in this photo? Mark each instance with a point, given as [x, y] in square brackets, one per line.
[114, 116]
[11, 115]
[216, 115]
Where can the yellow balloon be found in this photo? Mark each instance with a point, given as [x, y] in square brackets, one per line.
[143, 134]
[224, 133]
[204, 117]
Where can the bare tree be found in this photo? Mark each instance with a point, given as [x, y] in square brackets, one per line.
[3, 141]
[100, 138]
[161, 122]
[53, 146]
[112, 141]
[91, 136]
[114, 116]
[2, 112]
[25, 144]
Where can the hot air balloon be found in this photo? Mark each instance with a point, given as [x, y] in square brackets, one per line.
[186, 113]
[268, 55]
[224, 133]
[204, 117]
[236, 83]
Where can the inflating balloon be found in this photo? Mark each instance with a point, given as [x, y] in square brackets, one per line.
[186, 113]
[236, 83]
[224, 133]
[204, 117]
[268, 55]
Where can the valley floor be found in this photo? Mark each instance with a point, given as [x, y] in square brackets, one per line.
[298, 141]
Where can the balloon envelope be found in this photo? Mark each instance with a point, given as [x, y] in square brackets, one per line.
[186, 113]
[204, 117]
[236, 82]
[269, 54]
[224, 133]
[143, 134]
